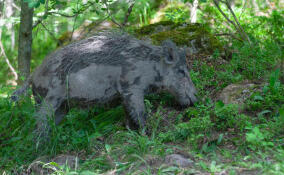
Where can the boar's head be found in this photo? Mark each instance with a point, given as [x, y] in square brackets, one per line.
[176, 78]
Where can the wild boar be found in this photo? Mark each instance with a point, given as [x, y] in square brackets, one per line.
[103, 68]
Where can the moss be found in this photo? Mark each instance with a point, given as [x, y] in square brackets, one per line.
[64, 38]
[183, 34]
[146, 30]
[180, 38]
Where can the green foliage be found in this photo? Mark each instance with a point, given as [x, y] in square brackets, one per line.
[254, 62]
[81, 128]
[16, 124]
[271, 96]
[34, 3]
[177, 14]
[227, 116]
[199, 124]
[257, 139]
[273, 25]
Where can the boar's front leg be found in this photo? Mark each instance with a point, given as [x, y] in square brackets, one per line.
[133, 102]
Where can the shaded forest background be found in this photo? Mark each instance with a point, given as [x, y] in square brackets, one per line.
[237, 65]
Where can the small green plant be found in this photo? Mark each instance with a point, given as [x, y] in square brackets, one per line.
[16, 127]
[257, 139]
[177, 15]
[270, 99]
[227, 116]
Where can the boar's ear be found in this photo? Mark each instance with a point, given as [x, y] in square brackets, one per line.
[170, 51]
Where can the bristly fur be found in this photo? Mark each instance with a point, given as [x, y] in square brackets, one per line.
[107, 49]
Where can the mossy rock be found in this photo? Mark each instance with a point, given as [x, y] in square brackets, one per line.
[238, 93]
[195, 36]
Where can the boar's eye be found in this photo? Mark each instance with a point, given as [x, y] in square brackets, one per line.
[181, 72]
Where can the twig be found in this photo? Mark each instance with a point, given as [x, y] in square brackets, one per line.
[221, 11]
[73, 15]
[75, 19]
[7, 60]
[243, 9]
[16, 7]
[238, 23]
[62, 14]
[97, 23]
[112, 19]
[228, 34]
[43, 16]
[46, 13]
[50, 33]
[128, 13]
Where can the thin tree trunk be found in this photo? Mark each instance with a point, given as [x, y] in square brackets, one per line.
[255, 6]
[25, 40]
[2, 50]
[232, 3]
[193, 12]
[2, 53]
[9, 13]
[1, 7]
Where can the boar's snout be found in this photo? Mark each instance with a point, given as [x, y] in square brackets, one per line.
[192, 99]
[187, 100]
[188, 96]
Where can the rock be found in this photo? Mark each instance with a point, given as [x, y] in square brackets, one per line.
[45, 165]
[178, 160]
[238, 93]
[195, 37]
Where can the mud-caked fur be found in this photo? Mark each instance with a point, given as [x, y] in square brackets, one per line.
[105, 67]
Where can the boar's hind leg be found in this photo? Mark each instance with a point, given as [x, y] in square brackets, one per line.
[47, 108]
[135, 109]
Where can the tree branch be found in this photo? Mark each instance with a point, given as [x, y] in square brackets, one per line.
[6, 59]
[43, 16]
[237, 26]
[16, 7]
[75, 19]
[128, 13]
[46, 13]
[62, 14]
[228, 34]
[50, 33]
[109, 14]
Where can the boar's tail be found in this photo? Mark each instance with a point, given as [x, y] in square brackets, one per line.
[21, 90]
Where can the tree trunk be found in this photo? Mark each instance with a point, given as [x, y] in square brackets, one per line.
[193, 12]
[1, 7]
[25, 40]
[255, 6]
[9, 13]
[232, 3]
